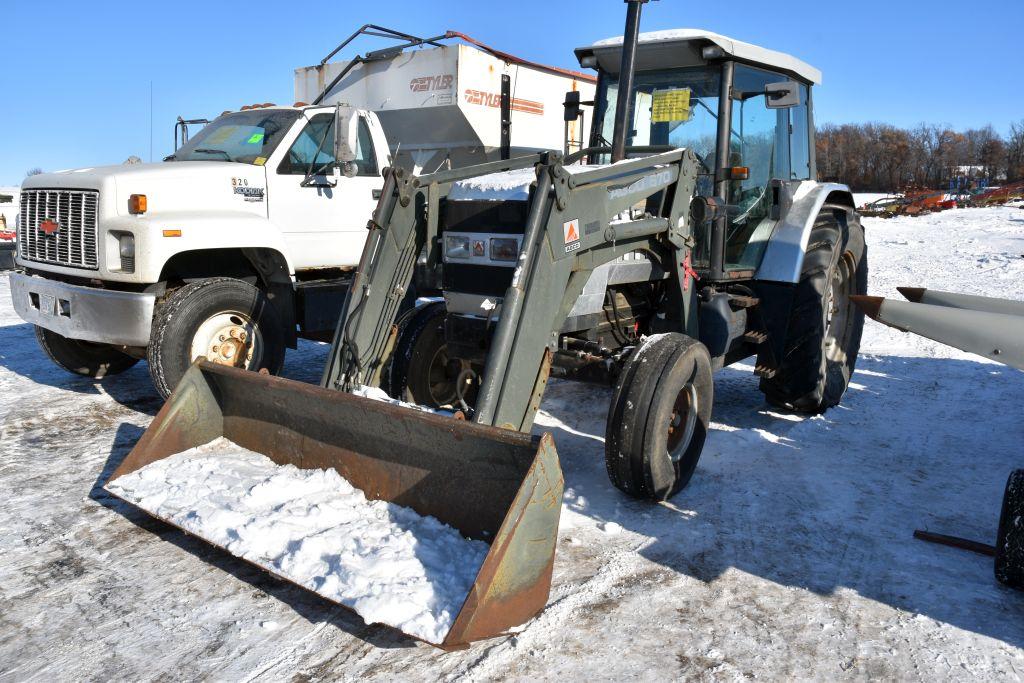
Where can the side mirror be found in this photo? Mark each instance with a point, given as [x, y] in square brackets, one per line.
[573, 108]
[346, 137]
[783, 95]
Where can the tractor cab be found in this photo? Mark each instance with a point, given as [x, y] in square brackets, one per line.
[744, 110]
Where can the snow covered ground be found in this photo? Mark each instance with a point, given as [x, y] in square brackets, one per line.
[789, 556]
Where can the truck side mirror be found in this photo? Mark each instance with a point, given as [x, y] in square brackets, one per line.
[346, 139]
[783, 95]
[573, 108]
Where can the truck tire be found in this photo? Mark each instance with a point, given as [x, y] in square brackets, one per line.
[224, 320]
[421, 371]
[1010, 539]
[824, 329]
[659, 417]
[82, 357]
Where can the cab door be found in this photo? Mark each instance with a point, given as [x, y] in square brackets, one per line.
[321, 213]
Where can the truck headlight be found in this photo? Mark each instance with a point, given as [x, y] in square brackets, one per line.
[504, 249]
[456, 247]
[126, 249]
[126, 245]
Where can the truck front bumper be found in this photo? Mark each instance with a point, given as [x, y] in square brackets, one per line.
[98, 315]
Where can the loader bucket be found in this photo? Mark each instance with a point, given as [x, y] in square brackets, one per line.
[495, 485]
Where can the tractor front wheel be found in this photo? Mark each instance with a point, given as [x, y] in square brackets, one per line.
[659, 417]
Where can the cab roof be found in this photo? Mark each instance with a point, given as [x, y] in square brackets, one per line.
[683, 46]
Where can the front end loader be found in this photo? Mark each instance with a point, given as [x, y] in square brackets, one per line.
[695, 238]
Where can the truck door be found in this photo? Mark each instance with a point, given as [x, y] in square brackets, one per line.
[323, 219]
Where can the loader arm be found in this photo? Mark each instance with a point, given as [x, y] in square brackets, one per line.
[596, 205]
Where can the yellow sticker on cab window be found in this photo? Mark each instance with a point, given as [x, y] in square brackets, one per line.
[670, 105]
[222, 134]
[259, 161]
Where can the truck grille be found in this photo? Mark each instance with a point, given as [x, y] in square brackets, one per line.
[73, 243]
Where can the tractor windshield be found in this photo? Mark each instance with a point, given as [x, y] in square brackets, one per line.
[247, 137]
[680, 107]
[677, 107]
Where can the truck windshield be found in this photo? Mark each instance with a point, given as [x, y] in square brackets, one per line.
[247, 137]
[677, 107]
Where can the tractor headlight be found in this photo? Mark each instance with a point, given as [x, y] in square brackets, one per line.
[456, 247]
[504, 249]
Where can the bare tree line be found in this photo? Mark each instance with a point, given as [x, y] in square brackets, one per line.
[878, 157]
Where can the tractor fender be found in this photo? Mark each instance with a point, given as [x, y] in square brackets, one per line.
[784, 254]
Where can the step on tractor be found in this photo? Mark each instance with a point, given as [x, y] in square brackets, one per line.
[689, 235]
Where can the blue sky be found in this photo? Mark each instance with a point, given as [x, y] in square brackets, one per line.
[75, 76]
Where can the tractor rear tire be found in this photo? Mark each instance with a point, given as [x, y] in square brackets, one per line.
[659, 417]
[1010, 539]
[825, 327]
[81, 357]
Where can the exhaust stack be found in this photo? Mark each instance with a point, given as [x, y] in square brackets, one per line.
[624, 103]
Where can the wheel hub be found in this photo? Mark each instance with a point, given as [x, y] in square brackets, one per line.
[447, 377]
[837, 314]
[683, 422]
[228, 338]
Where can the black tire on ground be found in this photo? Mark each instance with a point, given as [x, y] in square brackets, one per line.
[82, 357]
[659, 416]
[1010, 539]
[421, 371]
[824, 329]
[214, 308]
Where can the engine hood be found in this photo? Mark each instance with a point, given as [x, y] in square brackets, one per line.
[168, 186]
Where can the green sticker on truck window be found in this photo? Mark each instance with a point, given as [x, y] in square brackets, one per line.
[255, 139]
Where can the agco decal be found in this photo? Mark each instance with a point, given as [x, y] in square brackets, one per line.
[571, 235]
[250, 194]
[428, 83]
[490, 99]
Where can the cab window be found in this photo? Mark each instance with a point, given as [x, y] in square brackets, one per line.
[800, 141]
[760, 140]
[313, 150]
[247, 137]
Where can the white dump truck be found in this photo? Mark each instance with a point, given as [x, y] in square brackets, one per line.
[243, 240]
